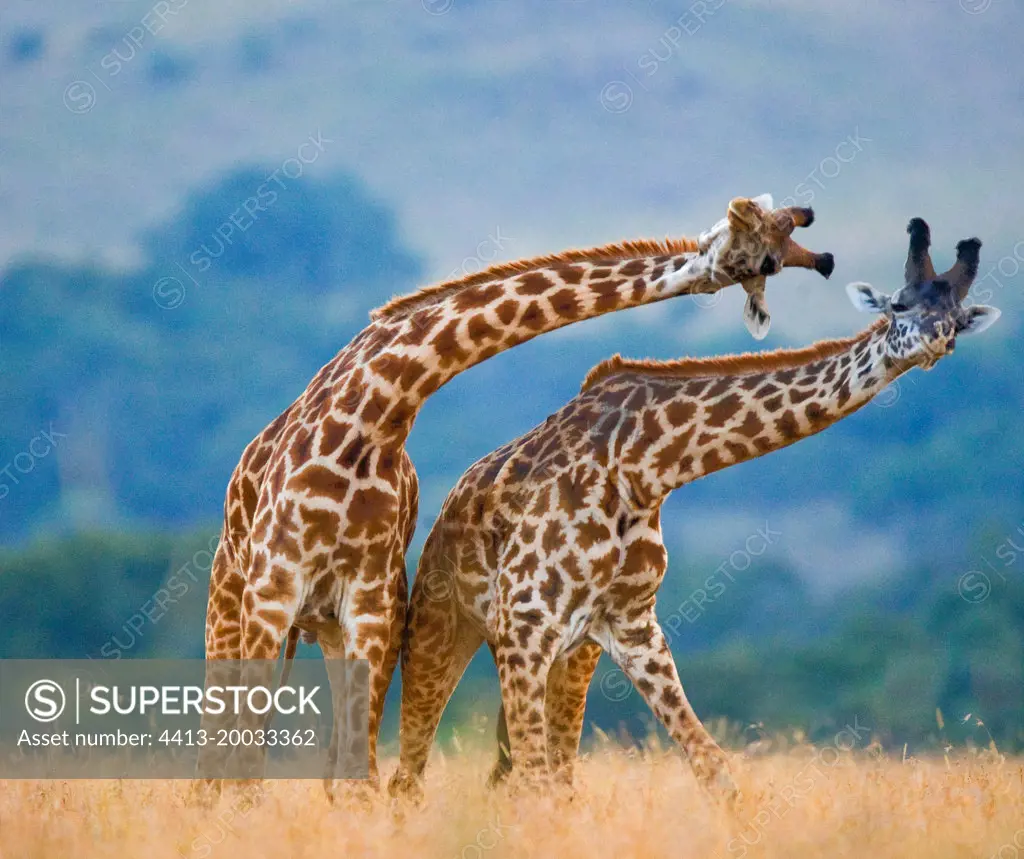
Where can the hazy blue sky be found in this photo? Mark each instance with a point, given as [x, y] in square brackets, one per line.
[556, 122]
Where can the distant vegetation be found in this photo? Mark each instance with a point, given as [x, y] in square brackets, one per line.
[765, 656]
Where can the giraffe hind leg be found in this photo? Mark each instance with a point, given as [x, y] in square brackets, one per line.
[644, 656]
[438, 648]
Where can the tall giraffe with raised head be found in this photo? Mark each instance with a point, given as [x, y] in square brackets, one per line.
[550, 548]
[321, 508]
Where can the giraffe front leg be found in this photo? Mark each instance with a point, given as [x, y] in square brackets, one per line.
[565, 705]
[348, 751]
[642, 653]
[373, 614]
[270, 604]
[523, 655]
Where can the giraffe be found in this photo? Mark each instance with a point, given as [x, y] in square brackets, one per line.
[550, 548]
[322, 505]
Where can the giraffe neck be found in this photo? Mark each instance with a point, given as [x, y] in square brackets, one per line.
[427, 346]
[712, 422]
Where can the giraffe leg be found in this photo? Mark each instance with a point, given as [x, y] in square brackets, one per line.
[564, 707]
[438, 648]
[346, 743]
[523, 655]
[223, 654]
[270, 603]
[375, 636]
[503, 765]
[642, 653]
[564, 704]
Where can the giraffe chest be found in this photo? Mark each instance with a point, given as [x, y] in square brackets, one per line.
[572, 574]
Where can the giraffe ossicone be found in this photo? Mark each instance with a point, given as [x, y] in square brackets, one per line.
[552, 544]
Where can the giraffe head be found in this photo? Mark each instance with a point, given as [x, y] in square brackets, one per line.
[755, 241]
[927, 314]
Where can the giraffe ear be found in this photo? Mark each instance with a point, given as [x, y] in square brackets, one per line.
[765, 201]
[977, 319]
[866, 298]
[756, 316]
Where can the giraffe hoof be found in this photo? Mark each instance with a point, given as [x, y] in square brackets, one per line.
[248, 794]
[499, 775]
[351, 796]
[724, 788]
[203, 794]
[404, 786]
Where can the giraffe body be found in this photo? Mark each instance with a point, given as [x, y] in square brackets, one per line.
[322, 506]
[550, 548]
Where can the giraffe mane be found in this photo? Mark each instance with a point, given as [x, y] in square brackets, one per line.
[404, 304]
[743, 364]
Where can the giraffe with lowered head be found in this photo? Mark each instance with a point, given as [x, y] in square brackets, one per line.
[321, 508]
[550, 548]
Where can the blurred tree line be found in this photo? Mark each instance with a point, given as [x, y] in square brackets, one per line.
[888, 654]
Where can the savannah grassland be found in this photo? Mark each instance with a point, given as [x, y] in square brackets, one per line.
[805, 801]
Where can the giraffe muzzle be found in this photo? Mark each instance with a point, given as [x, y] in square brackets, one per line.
[824, 264]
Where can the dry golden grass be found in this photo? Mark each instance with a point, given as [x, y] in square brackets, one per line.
[805, 802]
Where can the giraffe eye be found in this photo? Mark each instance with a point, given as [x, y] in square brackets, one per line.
[768, 266]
